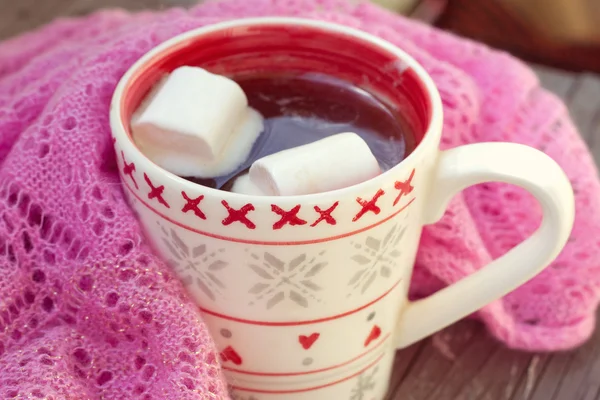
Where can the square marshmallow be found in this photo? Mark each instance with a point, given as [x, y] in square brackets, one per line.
[192, 120]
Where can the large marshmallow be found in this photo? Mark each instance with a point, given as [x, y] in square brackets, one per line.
[244, 185]
[331, 163]
[195, 123]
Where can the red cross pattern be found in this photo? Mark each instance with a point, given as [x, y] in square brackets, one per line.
[129, 169]
[193, 205]
[156, 192]
[238, 215]
[325, 215]
[367, 206]
[405, 187]
[287, 217]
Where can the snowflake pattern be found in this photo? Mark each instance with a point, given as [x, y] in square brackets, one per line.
[293, 280]
[195, 265]
[376, 258]
[364, 383]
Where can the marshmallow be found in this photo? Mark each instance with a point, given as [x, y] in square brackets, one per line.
[244, 185]
[195, 123]
[331, 163]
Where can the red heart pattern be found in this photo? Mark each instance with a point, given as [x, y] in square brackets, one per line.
[229, 354]
[374, 334]
[308, 341]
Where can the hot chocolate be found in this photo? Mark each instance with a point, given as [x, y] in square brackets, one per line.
[300, 109]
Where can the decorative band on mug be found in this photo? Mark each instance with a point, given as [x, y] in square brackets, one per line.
[311, 388]
[297, 323]
[315, 371]
[262, 242]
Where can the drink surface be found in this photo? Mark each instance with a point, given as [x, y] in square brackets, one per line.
[298, 110]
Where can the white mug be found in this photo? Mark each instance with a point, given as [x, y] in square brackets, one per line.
[306, 296]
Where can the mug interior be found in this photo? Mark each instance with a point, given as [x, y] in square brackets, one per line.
[277, 47]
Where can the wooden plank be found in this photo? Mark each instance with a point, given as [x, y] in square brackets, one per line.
[82, 7]
[23, 15]
[573, 375]
[473, 366]
[581, 93]
[464, 363]
[499, 377]
[544, 378]
[437, 359]
[403, 364]
[584, 106]
[594, 141]
[557, 81]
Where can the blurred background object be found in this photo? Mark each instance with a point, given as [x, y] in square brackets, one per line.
[559, 33]
[563, 20]
[425, 10]
[401, 6]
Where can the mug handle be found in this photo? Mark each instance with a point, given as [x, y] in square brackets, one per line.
[469, 165]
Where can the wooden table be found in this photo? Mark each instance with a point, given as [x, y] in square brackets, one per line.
[462, 362]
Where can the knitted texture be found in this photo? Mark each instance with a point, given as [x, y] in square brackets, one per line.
[87, 311]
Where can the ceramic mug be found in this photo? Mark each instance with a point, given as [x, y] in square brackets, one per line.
[306, 296]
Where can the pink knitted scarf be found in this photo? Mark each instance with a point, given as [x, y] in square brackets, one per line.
[87, 311]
